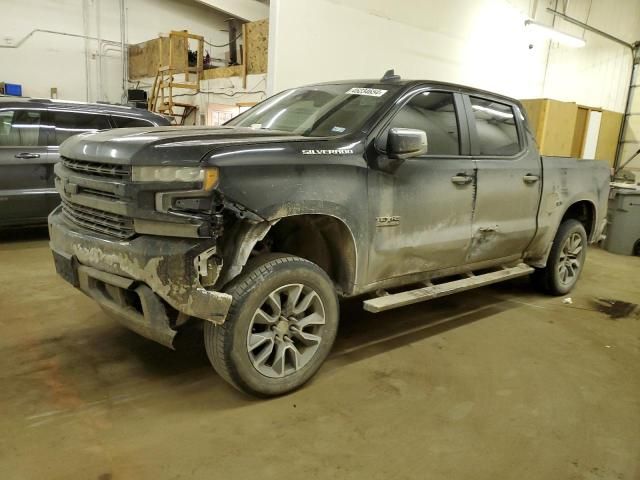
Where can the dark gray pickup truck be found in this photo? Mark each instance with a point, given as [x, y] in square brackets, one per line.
[401, 190]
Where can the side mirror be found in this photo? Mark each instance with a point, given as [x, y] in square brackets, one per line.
[403, 143]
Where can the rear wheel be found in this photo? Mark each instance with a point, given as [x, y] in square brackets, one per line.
[566, 259]
[280, 327]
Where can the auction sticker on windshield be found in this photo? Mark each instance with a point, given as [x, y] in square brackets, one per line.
[372, 92]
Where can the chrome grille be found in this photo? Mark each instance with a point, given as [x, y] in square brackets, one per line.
[97, 168]
[98, 193]
[98, 220]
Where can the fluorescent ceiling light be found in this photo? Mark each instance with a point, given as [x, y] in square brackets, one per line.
[553, 34]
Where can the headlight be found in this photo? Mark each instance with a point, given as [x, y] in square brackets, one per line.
[207, 176]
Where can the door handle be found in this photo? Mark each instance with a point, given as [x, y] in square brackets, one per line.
[529, 178]
[27, 155]
[462, 179]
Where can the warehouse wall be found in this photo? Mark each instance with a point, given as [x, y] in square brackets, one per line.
[598, 74]
[47, 60]
[482, 43]
[477, 42]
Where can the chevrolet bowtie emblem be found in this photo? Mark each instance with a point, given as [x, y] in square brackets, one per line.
[70, 188]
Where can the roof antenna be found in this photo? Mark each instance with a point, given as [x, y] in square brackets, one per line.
[389, 76]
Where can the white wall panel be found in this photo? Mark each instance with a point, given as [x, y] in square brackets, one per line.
[598, 74]
[46, 60]
[477, 42]
[482, 43]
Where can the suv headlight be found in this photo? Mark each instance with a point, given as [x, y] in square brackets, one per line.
[208, 177]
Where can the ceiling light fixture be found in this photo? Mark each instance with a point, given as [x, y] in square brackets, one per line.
[555, 35]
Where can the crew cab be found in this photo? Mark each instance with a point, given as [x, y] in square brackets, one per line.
[394, 190]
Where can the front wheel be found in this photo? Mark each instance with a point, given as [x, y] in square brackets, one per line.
[280, 328]
[566, 259]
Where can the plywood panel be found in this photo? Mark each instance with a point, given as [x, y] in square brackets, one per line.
[257, 42]
[553, 124]
[578, 135]
[222, 72]
[144, 58]
[534, 108]
[608, 139]
[559, 127]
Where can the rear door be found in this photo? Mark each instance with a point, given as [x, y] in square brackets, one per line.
[509, 180]
[23, 167]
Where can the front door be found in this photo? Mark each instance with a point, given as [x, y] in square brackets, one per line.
[24, 169]
[421, 214]
[509, 180]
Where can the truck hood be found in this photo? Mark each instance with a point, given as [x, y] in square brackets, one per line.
[164, 145]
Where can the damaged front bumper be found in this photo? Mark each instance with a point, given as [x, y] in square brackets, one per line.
[149, 283]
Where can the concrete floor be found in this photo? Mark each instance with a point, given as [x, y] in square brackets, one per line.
[492, 384]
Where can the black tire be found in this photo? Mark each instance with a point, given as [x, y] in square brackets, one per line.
[552, 278]
[228, 345]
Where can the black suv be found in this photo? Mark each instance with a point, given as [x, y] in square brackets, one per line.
[31, 131]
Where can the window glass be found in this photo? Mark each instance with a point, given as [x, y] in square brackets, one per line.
[435, 113]
[319, 110]
[19, 128]
[126, 122]
[496, 126]
[6, 117]
[67, 124]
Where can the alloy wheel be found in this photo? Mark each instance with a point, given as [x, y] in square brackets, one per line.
[286, 330]
[570, 260]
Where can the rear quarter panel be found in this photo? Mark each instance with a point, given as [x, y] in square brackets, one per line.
[567, 181]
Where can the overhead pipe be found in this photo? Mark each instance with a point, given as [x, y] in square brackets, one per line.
[124, 97]
[101, 43]
[85, 29]
[597, 31]
[98, 34]
[54, 32]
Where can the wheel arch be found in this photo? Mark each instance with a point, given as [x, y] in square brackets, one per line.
[321, 238]
[583, 211]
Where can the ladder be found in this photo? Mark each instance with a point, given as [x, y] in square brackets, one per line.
[162, 98]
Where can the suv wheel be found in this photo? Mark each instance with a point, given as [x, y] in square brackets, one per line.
[280, 328]
[566, 259]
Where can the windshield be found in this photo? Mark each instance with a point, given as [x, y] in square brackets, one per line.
[317, 111]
